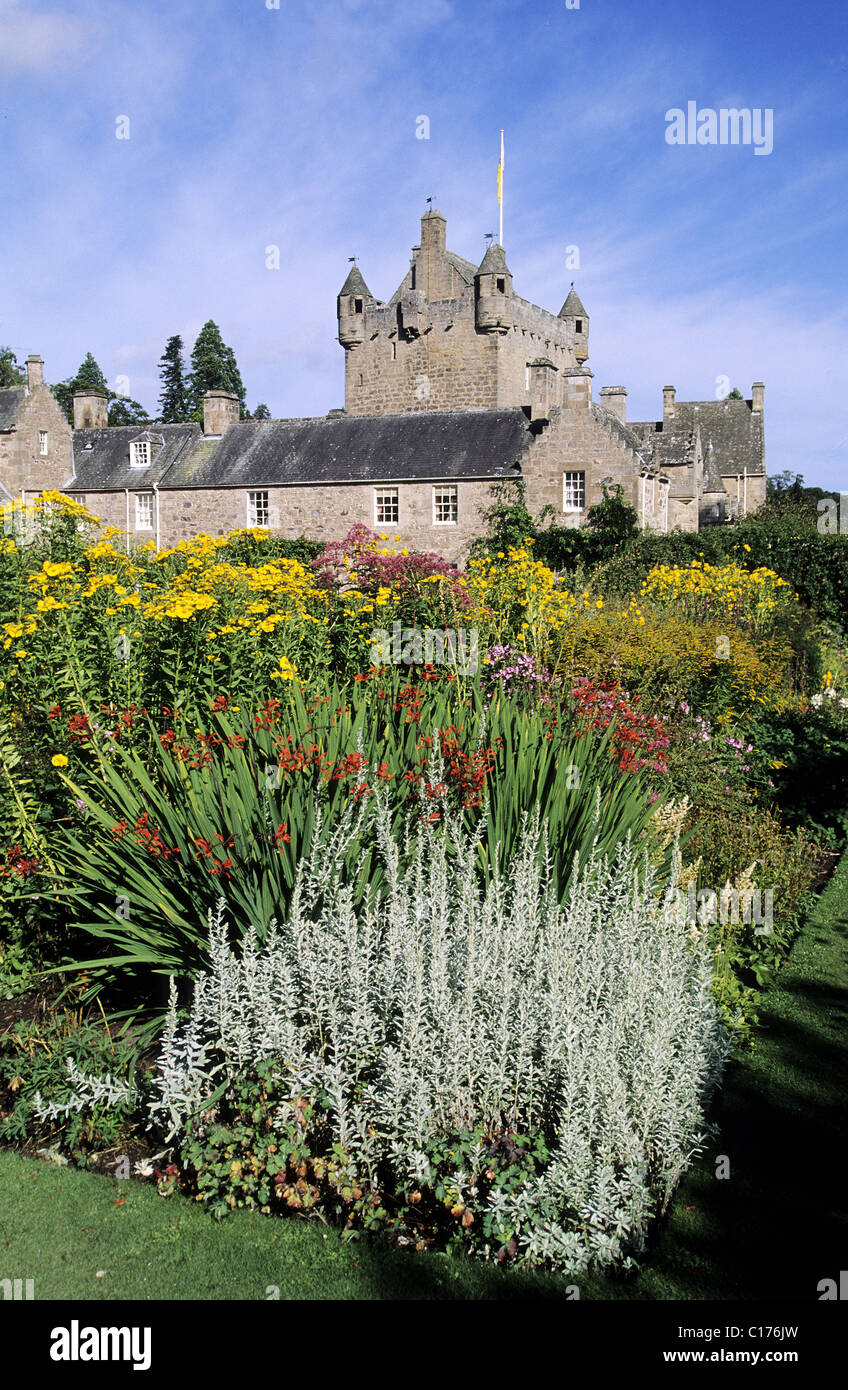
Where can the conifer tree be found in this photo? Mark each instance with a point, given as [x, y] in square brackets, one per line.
[89, 375]
[213, 368]
[121, 409]
[173, 398]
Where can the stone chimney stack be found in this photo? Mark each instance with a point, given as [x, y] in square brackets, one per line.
[220, 411]
[669, 393]
[433, 231]
[543, 389]
[757, 397]
[35, 371]
[577, 388]
[615, 399]
[91, 409]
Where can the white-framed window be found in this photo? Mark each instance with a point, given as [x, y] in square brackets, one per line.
[144, 511]
[573, 492]
[42, 441]
[386, 506]
[445, 504]
[140, 454]
[258, 512]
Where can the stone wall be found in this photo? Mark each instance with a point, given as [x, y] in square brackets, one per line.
[574, 441]
[324, 513]
[428, 354]
[22, 465]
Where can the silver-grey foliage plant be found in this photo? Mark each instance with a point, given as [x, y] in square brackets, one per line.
[444, 1006]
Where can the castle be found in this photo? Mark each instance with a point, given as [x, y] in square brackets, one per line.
[451, 385]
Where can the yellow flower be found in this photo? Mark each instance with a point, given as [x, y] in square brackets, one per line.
[59, 760]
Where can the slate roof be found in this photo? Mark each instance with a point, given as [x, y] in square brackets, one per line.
[355, 284]
[106, 464]
[358, 449]
[467, 269]
[734, 431]
[11, 404]
[573, 306]
[494, 260]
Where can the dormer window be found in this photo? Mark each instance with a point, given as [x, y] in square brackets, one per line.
[144, 449]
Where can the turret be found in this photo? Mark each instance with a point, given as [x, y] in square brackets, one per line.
[577, 319]
[493, 291]
[351, 309]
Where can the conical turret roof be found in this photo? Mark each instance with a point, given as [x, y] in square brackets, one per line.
[573, 305]
[354, 284]
[494, 261]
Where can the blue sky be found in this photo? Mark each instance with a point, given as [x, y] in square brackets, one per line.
[296, 127]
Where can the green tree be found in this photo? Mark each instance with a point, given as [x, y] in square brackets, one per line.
[213, 368]
[261, 412]
[121, 409]
[612, 524]
[735, 395]
[173, 398]
[89, 375]
[10, 372]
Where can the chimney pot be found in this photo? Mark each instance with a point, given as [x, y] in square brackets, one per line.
[757, 396]
[669, 393]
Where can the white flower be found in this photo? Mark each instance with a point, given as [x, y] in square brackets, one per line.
[843, 704]
[815, 700]
[830, 692]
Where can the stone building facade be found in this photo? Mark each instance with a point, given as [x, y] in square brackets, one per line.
[451, 385]
[36, 447]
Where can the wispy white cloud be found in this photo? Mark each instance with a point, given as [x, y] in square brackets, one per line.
[296, 128]
[33, 41]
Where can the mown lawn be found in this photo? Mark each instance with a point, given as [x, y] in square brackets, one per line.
[772, 1230]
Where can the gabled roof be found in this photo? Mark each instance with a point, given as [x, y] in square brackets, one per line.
[359, 449]
[102, 456]
[616, 426]
[354, 284]
[465, 268]
[11, 403]
[573, 306]
[731, 426]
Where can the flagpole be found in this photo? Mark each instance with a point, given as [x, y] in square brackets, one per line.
[500, 186]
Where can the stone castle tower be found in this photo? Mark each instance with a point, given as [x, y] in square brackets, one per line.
[455, 336]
